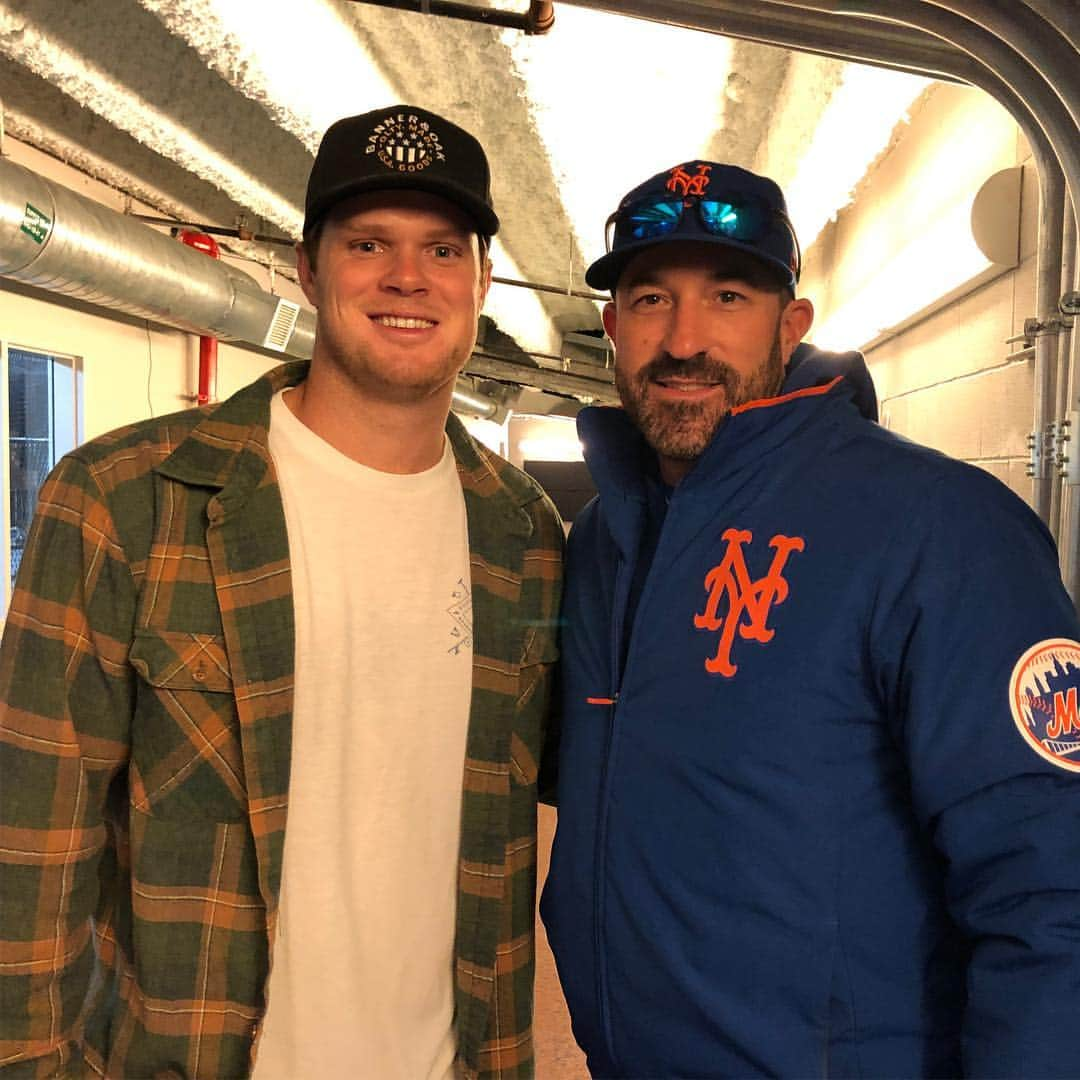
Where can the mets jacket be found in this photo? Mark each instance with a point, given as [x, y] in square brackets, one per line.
[824, 818]
[147, 679]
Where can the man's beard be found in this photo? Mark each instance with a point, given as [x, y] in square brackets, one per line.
[392, 383]
[682, 430]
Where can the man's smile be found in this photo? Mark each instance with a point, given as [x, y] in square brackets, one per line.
[684, 388]
[403, 322]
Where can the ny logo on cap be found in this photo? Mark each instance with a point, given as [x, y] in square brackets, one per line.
[683, 183]
[405, 143]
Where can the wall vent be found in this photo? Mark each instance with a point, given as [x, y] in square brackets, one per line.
[281, 326]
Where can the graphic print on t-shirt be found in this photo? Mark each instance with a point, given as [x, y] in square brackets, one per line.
[460, 611]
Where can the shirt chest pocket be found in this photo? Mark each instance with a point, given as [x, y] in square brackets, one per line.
[186, 759]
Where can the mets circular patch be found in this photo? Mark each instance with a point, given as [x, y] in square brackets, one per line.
[1043, 697]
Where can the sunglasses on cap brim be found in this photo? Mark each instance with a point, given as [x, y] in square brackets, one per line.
[742, 218]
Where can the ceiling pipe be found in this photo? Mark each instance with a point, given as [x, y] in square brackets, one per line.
[1063, 17]
[1038, 41]
[1047, 374]
[539, 19]
[283, 241]
[1070, 510]
[558, 290]
[216, 230]
[909, 51]
[997, 68]
[207, 382]
[1064, 392]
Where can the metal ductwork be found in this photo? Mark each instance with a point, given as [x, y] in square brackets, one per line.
[55, 239]
[59, 240]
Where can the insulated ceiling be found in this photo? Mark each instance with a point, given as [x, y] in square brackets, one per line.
[210, 111]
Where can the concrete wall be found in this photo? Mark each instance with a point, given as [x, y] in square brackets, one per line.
[942, 375]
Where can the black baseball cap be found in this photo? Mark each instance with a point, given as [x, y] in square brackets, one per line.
[703, 201]
[400, 147]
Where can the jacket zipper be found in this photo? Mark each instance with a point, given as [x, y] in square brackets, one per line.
[600, 858]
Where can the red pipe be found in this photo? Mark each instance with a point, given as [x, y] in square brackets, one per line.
[207, 345]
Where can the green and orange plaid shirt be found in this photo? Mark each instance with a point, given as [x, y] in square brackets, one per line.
[146, 675]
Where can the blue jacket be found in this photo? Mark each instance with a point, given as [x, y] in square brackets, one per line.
[823, 819]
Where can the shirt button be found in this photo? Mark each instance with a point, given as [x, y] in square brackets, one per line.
[199, 674]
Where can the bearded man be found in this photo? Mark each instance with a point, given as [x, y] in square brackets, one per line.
[818, 776]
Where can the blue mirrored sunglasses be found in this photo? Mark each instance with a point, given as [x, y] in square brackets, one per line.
[737, 218]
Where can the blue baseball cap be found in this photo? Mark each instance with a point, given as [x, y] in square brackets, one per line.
[707, 202]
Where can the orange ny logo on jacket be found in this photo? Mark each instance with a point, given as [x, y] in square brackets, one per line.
[748, 602]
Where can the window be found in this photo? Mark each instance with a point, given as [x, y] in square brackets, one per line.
[43, 417]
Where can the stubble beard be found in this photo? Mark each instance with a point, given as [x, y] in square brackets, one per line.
[682, 430]
[393, 383]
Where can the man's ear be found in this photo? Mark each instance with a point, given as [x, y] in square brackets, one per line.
[795, 323]
[609, 317]
[306, 274]
[485, 279]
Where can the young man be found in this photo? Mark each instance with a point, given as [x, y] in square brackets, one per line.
[819, 811]
[276, 676]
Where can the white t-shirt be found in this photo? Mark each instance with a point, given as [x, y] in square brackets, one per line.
[362, 974]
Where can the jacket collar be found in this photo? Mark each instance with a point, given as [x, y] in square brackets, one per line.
[816, 383]
[486, 477]
[230, 445]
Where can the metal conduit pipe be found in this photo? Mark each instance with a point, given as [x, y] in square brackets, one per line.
[846, 36]
[1065, 18]
[998, 68]
[853, 39]
[1064, 392]
[997, 65]
[1046, 374]
[849, 36]
[1070, 527]
[1038, 41]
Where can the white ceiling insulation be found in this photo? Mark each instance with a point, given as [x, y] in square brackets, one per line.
[210, 111]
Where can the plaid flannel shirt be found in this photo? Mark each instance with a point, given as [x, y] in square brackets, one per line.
[146, 674]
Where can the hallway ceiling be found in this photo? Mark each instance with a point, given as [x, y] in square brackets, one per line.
[209, 111]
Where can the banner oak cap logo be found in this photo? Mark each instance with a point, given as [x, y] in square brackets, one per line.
[730, 581]
[405, 143]
[1043, 699]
